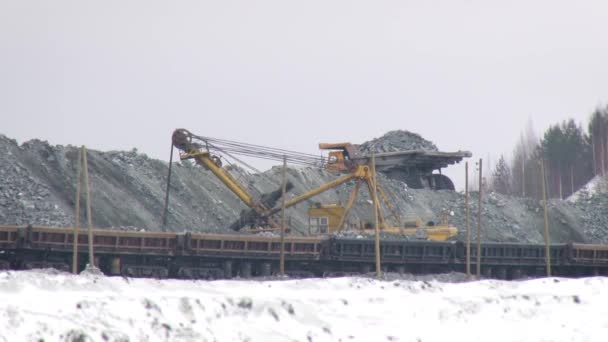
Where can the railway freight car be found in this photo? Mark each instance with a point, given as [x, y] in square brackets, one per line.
[214, 256]
[159, 255]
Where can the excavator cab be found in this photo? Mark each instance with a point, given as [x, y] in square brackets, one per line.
[336, 162]
[339, 158]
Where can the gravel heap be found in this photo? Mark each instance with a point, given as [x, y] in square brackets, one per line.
[398, 140]
[37, 186]
[24, 196]
[592, 201]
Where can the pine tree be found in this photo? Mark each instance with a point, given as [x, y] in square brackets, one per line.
[501, 177]
[565, 148]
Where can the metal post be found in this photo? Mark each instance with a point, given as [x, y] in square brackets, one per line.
[376, 208]
[77, 215]
[88, 194]
[547, 249]
[283, 189]
[479, 221]
[466, 215]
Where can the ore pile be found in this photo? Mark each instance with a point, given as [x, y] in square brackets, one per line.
[24, 195]
[593, 205]
[37, 186]
[398, 140]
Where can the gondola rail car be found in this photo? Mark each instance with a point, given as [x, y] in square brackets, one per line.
[214, 256]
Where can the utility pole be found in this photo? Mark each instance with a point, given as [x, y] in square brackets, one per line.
[523, 175]
[166, 209]
[561, 194]
[479, 221]
[547, 249]
[77, 216]
[82, 164]
[571, 179]
[466, 217]
[88, 194]
[594, 157]
[376, 208]
[283, 189]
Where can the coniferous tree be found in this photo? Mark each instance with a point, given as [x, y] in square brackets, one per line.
[501, 177]
[598, 139]
[565, 149]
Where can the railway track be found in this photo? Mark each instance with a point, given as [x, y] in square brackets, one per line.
[224, 256]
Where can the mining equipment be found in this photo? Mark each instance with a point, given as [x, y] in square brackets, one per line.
[414, 167]
[325, 219]
[209, 152]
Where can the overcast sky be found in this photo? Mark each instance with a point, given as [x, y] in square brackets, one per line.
[464, 74]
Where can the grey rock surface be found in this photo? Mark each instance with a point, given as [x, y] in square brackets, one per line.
[38, 186]
[398, 140]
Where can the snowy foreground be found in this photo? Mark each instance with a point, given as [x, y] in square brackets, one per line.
[61, 307]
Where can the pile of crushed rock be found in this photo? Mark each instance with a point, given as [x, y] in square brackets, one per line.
[398, 140]
[128, 188]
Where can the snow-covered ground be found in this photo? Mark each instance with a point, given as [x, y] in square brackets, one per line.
[55, 306]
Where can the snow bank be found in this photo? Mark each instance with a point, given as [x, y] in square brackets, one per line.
[61, 307]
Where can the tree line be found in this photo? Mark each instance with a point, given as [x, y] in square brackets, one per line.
[572, 156]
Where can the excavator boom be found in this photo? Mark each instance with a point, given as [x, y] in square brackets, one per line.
[182, 139]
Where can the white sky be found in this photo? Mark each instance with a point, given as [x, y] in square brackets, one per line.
[464, 74]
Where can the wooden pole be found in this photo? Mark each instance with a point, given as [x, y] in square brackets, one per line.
[594, 156]
[559, 177]
[375, 202]
[547, 249]
[166, 209]
[479, 221]
[466, 215]
[602, 162]
[523, 175]
[77, 215]
[283, 189]
[606, 148]
[88, 196]
[571, 179]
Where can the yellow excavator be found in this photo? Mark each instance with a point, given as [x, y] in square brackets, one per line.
[204, 151]
[325, 219]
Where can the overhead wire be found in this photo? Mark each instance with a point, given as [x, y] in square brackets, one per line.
[261, 152]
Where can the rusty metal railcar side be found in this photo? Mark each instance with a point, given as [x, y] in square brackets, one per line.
[255, 247]
[516, 254]
[9, 236]
[588, 254]
[228, 255]
[9, 242]
[415, 251]
[514, 260]
[352, 255]
[104, 240]
[212, 256]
